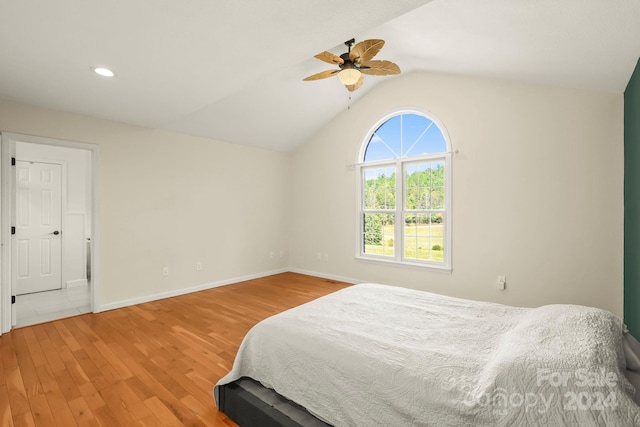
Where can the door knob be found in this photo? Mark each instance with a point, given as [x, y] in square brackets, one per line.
[55, 233]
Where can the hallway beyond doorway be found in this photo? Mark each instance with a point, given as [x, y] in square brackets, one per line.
[45, 306]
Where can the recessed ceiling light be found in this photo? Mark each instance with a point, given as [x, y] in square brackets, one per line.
[104, 72]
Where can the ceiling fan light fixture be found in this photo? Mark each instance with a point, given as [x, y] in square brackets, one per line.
[349, 76]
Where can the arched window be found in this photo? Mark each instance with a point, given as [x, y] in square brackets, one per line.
[404, 192]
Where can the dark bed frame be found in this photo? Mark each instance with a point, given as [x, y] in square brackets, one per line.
[249, 404]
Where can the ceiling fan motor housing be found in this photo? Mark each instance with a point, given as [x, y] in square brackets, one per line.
[347, 62]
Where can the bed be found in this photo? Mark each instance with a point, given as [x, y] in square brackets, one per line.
[374, 355]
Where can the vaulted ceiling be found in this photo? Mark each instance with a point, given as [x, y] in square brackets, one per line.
[232, 70]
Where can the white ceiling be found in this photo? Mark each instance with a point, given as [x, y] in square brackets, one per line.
[232, 70]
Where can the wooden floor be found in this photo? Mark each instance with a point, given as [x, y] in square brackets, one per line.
[153, 364]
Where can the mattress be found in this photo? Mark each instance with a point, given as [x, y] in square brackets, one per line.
[380, 355]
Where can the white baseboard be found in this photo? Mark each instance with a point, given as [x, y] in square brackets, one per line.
[183, 291]
[76, 283]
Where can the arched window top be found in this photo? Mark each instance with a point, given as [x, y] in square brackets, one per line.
[403, 135]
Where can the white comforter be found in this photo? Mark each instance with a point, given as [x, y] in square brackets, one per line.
[375, 355]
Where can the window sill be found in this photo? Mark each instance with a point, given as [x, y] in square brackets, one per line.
[393, 262]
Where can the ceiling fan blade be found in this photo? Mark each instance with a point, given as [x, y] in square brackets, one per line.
[322, 75]
[356, 85]
[365, 50]
[330, 58]
[380, 68]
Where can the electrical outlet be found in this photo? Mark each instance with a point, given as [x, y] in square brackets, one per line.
[272, 254]
[198, 266]
[165, 271]
[502, 282]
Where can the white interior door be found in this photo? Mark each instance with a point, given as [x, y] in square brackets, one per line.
[38, 213]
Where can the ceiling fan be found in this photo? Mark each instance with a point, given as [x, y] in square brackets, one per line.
[356, 62]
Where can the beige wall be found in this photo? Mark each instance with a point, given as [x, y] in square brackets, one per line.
[537, 191]
[173, 200]
[537, 197]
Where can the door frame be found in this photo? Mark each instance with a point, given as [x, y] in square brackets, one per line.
[7, 151]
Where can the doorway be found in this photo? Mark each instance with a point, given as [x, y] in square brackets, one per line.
[49, 206]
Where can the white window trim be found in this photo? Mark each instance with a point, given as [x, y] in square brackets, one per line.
[400, 164]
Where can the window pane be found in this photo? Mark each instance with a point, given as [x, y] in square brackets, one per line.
[425, 197]
[379, 234]
[424, 244]
[421, 136]
[424, 237]
[416, 236]
[389, 133]
[418, 184]
[437, 249]
[410, 247]
[437, 198]
[425, 185]
[437, 218]
[413, 197]
[431, 142]
[437, 174]
[437, 185]
[378, 150]
[379, 190]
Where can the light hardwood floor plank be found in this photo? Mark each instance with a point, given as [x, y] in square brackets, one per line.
[81, 412]
[59, 405]
[153, 364]
[24, 420]
[40, 411]
[6, 418]
[18, 401]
